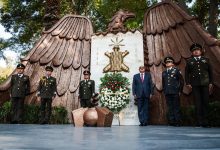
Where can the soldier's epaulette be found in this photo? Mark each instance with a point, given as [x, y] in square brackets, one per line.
[189, 59]
[43, 78]
[205, 58]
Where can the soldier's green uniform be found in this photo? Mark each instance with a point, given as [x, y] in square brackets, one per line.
[172, 83]
[86, 91]
[198, 74]
[46, 91]
[20, 87]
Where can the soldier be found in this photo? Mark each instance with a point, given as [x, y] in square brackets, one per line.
[172, 82]
[47, 92]
[20, 87]
[198, 76]
[86, 90]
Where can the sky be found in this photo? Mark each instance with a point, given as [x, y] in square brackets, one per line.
[4, 34]
[8, 54]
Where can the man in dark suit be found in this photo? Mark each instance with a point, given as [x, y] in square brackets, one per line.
[198, 76]
[172, 82]
[47, 91]
[20, 87]
[142, 88]
[86, 90]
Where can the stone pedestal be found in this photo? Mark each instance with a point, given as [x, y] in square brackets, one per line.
[133, 43]
[90, 117]
[105, 117]
[100, 116]
[78, 117]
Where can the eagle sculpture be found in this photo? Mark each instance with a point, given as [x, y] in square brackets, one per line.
[168, 30]
[66, 47]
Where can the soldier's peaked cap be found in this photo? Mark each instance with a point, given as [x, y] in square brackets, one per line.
[195, 46]
[20, 66]
[49, 68]
[168, 59]
[86, 72]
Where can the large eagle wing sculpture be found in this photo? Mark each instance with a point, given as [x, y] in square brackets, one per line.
[66, 47]
[170, 31]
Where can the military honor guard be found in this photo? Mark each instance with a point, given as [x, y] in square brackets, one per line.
[142, 89]
[20, 87]
[86, 90]
[198, 77]
[172, 82]
[46, 91]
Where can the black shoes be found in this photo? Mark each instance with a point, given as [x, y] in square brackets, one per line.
[175, 124]
[203, 125]
[14, 122]
[43, 122]
[143, 124]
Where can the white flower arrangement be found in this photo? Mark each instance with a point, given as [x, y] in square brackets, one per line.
[115, 101]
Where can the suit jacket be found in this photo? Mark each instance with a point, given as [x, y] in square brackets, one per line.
[20, 86]
[47, 87]
[145, 87]
[172, 81]
[86, 89]
[198, 72]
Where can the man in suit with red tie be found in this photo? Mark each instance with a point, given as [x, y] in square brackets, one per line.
[142, 88]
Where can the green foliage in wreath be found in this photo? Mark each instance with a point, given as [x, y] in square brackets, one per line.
[114, 91]
[114, 81]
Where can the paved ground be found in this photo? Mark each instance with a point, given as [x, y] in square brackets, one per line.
[67, 137]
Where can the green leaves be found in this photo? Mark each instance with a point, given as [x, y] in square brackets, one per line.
[23, 19]
[114, 81]
[32, 114]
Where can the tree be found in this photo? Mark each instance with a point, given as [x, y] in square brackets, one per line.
[24, 19]
[213, 17]
[207, 12]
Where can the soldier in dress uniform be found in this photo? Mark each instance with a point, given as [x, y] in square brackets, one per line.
[86, 90]
[172, 82]
[47, 91]
[20, 87]
[198, 77]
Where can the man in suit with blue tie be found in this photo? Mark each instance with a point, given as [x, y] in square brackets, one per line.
[142, 88]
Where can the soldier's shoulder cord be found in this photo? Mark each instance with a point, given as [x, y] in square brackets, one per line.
[43, 77]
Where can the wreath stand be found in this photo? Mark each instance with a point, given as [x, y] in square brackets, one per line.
[117, 117]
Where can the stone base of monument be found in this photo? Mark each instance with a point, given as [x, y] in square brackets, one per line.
[105, 117]
[78, 117]
[90, 117]
[97, 116]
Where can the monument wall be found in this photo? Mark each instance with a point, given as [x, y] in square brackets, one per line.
[133, 43]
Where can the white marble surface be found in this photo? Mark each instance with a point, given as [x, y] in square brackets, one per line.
[133, 42]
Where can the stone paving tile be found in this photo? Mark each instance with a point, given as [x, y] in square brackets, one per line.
[66, 137]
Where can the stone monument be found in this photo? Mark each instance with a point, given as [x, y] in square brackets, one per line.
[127, 54]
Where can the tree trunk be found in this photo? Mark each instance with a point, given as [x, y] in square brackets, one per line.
[52, 13]
[202, 11]
[213, 17]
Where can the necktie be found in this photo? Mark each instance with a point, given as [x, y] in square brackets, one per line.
[142, 77]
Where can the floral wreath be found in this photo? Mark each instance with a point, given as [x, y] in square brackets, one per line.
[114, 92]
